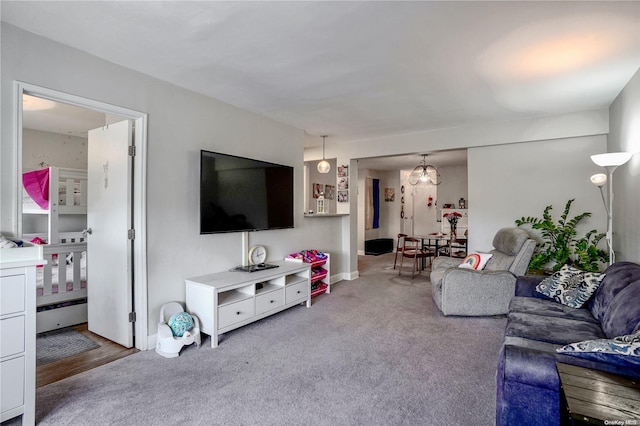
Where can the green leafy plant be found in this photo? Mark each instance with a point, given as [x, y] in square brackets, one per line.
[561, 245]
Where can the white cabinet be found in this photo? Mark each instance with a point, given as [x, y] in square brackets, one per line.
[18, 334]
[227, 300]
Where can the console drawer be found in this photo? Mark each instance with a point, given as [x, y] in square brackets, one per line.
[297, 292]
[269, 301]
[234, 313]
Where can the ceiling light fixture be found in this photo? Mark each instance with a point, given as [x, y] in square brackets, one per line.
[323, 166]
[610, 161]
[425, 173]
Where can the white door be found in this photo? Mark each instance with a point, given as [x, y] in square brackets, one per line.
[109, 265]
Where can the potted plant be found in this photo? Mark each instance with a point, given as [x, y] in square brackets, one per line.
[561, 244]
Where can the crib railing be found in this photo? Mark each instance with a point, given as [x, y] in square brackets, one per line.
[62, 251]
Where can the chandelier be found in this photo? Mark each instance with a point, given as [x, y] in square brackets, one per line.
[425, 173]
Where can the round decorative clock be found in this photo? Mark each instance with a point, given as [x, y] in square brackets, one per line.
[257, 255]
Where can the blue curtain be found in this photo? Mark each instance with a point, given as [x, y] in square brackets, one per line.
[376, 203]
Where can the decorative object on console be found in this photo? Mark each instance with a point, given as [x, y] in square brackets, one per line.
[561, 244]
[610, 161]
[425, 173]
[257, 255]
[570, 286]
[323, 166]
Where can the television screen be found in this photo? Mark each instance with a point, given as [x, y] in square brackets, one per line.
[241, 194]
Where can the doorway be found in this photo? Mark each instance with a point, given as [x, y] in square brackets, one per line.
[138, 259]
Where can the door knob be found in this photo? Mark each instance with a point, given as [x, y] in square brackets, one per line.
[87, 231]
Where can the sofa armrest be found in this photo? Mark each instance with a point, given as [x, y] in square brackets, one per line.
[530, 366]
[526, 286]
[444, 262]
[469, 292]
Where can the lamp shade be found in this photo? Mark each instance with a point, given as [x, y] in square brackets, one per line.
[611, 159]
[324, 166]
[599, 179]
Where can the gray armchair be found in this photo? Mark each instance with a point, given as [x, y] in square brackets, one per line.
[468, 292]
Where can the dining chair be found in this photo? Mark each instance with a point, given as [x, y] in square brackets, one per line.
[399, 247]
[412, 249]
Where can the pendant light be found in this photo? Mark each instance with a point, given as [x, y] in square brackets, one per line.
[425, 173]
[323, 166]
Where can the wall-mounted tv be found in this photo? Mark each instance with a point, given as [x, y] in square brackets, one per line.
[242, 194]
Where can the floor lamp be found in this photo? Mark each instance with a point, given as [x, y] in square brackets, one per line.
[610, 161]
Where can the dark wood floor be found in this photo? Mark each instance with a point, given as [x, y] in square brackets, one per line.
[58, 370]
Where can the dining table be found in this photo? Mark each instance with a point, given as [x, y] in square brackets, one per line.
[442, 245]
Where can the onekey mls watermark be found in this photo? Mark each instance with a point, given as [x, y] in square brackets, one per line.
[627, 422]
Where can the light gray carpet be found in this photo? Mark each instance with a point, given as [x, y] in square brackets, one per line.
[376, 351]
[59, 344]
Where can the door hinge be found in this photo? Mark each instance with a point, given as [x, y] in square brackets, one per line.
[131, 234]
[132, 150]
[132, 317]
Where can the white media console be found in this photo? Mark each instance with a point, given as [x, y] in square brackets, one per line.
[227, 300]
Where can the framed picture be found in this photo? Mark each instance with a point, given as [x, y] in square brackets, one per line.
[317, 189]
[343, 171]
[329, 192]
[343, 183]
[389, 194]
[343, 196]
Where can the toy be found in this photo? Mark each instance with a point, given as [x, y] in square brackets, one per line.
[176, 329]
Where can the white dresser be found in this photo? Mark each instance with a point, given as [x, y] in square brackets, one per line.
[18, 332]
[227, 300]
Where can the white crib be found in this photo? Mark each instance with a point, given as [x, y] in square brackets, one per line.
[61, 296]
[61, 289]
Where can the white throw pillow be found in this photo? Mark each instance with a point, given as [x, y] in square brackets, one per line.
[475, 261]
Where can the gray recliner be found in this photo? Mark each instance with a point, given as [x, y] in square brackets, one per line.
[467, 292]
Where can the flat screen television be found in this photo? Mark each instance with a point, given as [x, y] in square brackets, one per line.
[242, 194]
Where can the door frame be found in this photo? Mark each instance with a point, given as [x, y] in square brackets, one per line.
[139, 187]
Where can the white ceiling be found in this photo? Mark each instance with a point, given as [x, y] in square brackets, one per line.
[360, 70]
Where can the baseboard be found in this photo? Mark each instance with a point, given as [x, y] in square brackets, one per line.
[151, 341]
[351, 275]
[361, 253]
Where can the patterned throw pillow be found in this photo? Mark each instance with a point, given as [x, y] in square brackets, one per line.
[475, 261]
[621, 345]
[570, 286]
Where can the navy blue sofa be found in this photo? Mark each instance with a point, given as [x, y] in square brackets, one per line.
[528, 387]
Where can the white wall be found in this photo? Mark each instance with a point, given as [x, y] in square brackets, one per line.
[625, 136]
[43, 149]
[490, 134]
[507, 182]
[454, 185]
[180, 124]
